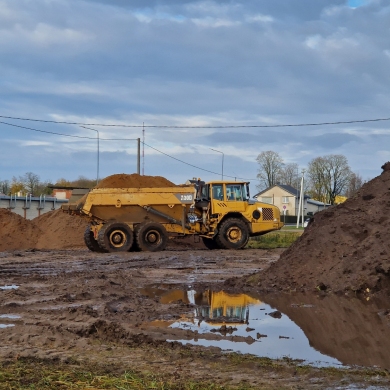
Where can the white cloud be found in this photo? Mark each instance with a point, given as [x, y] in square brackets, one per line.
[35, 143]
[260, 18]
[214, 22]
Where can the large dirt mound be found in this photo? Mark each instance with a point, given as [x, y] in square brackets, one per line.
[121, 180]
[345, 247]
[16, 232]
[60, 230]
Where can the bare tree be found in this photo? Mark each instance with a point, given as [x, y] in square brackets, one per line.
[63, 182]
[355, 183]
[31, 182]
[43, 188]
[5, 187]
[290, 175]
[16, 186]
[271, 166]
[83, 181]
[329, 176]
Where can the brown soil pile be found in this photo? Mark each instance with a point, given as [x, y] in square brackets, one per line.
[121, 180]
[16, 232]
[60, 230]
[52, 230]
[345, 247]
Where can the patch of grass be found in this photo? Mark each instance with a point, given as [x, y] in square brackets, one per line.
[278, 239]
[293, 228]
[49, 375]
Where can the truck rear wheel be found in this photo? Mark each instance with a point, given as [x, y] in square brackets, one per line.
[115, 237]
[233, 234]
[152, 237]
[210, 243]
[134, 247]
[90, 241]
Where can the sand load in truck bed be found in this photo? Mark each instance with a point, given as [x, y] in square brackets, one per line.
[134, 180]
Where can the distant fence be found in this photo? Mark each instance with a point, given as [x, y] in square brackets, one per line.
[30, 207]
[292, 218]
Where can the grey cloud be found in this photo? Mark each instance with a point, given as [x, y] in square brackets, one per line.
[332, 141]
[317, 61]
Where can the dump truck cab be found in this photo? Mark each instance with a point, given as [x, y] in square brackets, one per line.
[232, 216]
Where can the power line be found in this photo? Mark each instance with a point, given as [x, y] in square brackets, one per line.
[121, 139]
[67, 135]
[199, 127]
[44, 131]
[194, 166]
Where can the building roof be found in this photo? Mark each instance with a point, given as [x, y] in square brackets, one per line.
[286, 188]
[317, 202]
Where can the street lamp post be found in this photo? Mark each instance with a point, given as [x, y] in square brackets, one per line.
[223, 155]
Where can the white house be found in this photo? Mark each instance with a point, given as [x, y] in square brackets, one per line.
[286, 198]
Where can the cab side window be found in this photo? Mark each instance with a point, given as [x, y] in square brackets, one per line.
[230, 195]
[234, 192]
[217, 192]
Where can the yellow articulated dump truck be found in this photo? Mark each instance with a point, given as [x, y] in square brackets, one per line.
[220, 212]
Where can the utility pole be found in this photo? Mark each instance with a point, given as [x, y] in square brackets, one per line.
[143, 148]
[138, 155]
[301, 200]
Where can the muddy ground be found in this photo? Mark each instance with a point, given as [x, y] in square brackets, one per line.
[116, 310]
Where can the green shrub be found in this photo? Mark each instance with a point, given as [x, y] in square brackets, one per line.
[279, 239]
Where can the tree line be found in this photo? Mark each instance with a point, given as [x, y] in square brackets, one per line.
[325, 178]
[31, 184]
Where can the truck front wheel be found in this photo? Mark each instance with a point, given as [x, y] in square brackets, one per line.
[115, 237]
[233, 234]
[152, 237]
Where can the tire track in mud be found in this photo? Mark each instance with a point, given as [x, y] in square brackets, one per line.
[58, 266]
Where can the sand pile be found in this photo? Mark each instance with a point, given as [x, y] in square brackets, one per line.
[16, 232]
[345, 247]
[122, 180]
[52, 230]
[56, 229]
[59, 230]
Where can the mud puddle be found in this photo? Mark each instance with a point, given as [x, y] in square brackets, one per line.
[9, 287]
[329, 331]
[5, 318]
[9, 316]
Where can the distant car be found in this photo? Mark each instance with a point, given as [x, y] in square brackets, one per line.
[306, 222]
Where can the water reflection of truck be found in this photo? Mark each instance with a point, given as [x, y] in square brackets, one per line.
[224, 308]
[221, 213]
[215, 308]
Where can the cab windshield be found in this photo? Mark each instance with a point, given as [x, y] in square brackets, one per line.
[236, 192]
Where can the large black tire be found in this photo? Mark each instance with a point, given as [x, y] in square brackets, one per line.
[152, 237]
[115, 237]
[90, 241]
[135, 247]
[233, 234]
[210, 243]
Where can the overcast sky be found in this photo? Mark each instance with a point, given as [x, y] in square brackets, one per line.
[192, 63]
